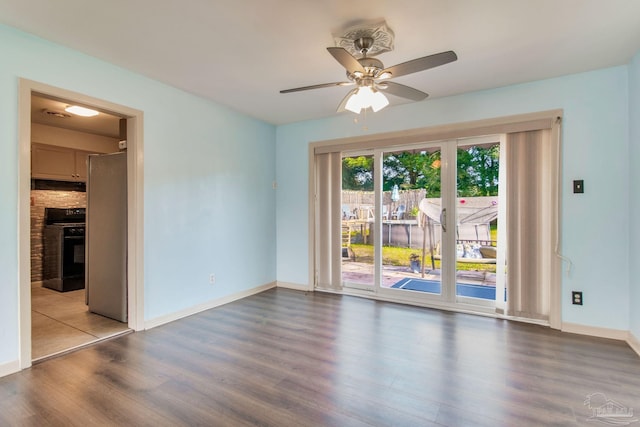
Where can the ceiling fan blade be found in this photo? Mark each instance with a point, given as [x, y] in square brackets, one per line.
[347, 60]
[343, 103]
[403, 91]
[299, 89]
[421, 64]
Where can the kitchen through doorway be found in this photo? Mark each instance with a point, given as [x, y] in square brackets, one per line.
[57, 312]
[61, 143]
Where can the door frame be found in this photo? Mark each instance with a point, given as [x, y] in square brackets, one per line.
[135, 199]
[476, 128]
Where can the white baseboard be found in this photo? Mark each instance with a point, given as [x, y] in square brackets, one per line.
[152, 323]
[9, 368]
[594, 331]
[634, 343]
[294, 286]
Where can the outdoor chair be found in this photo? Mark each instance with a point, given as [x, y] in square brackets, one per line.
[346, 213]
[398, 213]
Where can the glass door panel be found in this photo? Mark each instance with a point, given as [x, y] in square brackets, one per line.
[358, 222]
[477, 221]
[411, 231]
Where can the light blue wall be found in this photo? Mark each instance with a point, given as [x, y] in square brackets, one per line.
[595, 148]
[209, 205]
[634, 194]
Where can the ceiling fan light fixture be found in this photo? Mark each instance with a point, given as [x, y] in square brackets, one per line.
[366, 97]
[355, 51]
[81, 111]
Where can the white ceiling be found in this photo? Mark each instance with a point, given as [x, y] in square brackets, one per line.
[240, 53]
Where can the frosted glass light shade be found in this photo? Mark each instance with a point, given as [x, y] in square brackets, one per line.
[81, 111]
[378, 101]
[366, 97]
[354, 104]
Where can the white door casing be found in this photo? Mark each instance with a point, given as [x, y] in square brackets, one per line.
[135, 215]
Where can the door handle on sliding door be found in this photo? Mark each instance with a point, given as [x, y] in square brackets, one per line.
[443, 219]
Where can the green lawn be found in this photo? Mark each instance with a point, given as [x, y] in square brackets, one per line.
[393, 255]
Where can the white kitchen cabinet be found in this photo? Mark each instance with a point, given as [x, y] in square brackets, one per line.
[58, 163]
[81, 162]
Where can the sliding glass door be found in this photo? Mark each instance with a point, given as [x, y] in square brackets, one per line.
[393, 221]
[420, 221]
[439, 221]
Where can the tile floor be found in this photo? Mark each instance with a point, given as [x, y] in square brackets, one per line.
[60, 321]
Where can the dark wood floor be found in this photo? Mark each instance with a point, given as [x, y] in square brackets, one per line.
[286, 358]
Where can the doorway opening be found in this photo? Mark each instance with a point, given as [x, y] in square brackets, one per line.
[54, 150]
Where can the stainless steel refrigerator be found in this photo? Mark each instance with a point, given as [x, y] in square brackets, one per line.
[106, 236]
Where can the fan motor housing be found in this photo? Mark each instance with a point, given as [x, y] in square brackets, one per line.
[371, 63]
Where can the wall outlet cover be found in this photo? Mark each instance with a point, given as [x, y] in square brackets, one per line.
[576, 297]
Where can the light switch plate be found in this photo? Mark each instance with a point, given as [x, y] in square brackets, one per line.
[578, 186]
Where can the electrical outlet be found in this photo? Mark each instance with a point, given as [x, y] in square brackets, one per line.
[212, 279]
[578, 186]
[576, 297]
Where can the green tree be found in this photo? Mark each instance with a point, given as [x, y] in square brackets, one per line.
[411, 170]
[357, 173]
[478, 171]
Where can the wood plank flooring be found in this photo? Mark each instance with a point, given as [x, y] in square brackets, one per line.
[289, 358]
[61, 321]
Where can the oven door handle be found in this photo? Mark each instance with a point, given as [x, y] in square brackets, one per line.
[73, 237]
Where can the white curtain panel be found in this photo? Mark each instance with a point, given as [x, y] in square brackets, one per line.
[533, 268]
[328, 221]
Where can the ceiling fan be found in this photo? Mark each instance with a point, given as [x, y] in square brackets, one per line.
[371, 78]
